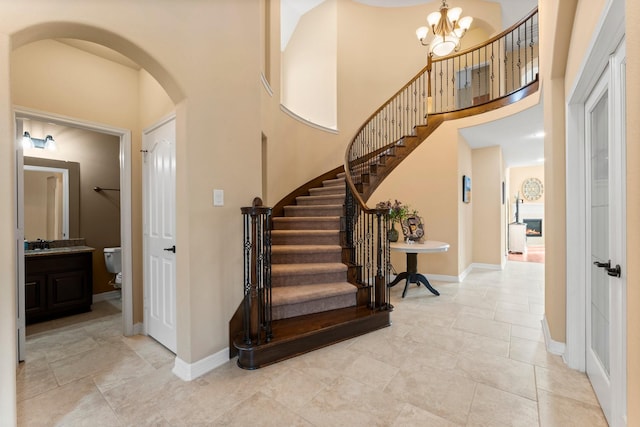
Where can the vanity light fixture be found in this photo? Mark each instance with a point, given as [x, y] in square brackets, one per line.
[48, 143]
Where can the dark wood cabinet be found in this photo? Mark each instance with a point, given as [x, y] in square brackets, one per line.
[57, 285]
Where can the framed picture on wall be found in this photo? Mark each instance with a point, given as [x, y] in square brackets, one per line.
[466, 188]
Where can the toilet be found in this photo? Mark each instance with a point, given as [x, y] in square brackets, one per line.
[113, 261]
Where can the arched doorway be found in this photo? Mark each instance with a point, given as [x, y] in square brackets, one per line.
[129, 147]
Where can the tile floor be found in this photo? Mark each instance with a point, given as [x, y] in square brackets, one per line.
[534, 253]
[473, 356]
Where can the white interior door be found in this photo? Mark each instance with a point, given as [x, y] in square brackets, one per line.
[159, 178]
[606, 319]
[19, 221]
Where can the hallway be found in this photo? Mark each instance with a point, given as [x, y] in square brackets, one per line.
[473, 356]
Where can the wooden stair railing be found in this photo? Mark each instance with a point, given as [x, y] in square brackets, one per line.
[301, 292]
[500, 71]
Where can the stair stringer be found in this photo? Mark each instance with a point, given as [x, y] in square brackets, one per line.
[407, 144]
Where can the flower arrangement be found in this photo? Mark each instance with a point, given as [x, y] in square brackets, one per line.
[397, 210]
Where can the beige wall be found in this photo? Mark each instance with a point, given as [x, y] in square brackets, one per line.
[554, 42]
[587, 15]
[465, 210]
[428, 182]
[309, 67]
[153, 101]
[486, 189]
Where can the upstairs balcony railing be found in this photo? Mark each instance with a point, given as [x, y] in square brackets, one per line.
[501, 66]
[504, 64]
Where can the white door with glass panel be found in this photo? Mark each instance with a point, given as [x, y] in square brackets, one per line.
[605, 296]
[159, 207]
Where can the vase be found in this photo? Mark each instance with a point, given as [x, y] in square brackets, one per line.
[392, 234]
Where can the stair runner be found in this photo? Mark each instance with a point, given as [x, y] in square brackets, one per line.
[307, 274]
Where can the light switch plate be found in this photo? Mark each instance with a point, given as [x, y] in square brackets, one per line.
[218, 197]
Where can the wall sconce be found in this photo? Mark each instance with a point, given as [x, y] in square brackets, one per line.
[48, 143]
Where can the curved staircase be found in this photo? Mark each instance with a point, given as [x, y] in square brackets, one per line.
[317, 264]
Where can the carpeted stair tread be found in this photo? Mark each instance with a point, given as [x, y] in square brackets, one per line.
[304, 232]
[305, 248]
[324, 199]
[293, 254]
[307, 273]
[307, 268]
[331, 182]
[319, 210]
[306, 223]
[304, 293]
[332, 189]
[305, 237]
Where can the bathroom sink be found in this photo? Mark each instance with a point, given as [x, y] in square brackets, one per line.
[54, 251]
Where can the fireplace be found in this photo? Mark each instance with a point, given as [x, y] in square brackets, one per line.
[534, 227]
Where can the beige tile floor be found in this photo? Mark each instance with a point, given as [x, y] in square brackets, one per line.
[473, 356]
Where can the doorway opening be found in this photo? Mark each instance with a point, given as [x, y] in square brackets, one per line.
[123, 199]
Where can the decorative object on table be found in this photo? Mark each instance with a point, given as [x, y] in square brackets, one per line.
[397, 212]
[532, 189]
[412, 228]
[466, 188]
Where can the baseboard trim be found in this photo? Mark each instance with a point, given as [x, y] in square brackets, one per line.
[106, 296]
[190, 371]
[138, 328]
[465, 273]
[486, 266]
[553, 347]
[442, 277]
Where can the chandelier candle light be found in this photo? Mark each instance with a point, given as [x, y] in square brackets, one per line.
[447, 27]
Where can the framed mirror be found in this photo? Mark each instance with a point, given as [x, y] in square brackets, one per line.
[51, 199]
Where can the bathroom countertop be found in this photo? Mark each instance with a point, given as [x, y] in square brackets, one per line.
[58, 251]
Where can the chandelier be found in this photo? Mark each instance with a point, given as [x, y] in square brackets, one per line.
[447, 27]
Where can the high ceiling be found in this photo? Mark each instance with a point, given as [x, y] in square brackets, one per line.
[514, 133]
[519, 135]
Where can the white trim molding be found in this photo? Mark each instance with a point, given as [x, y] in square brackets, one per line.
[307, 122]
[442, 277]
[465, 273]
[138, 329]
[486, 266]
[265, 84]
[104, 296]
[554, 347]
[606, 37]
[190, 371]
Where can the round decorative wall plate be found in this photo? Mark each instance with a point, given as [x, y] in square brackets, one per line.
[532, 189]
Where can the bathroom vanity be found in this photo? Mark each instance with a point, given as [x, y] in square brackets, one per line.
[58, 282]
